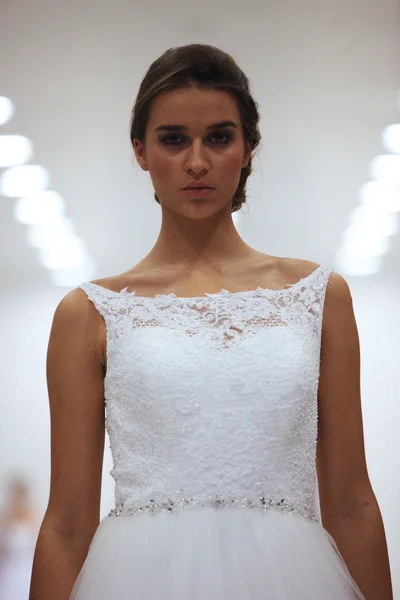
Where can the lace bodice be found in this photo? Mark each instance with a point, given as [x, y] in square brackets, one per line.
[214, 395]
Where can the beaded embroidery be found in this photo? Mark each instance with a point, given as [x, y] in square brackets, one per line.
[215, 395]
[216, 502]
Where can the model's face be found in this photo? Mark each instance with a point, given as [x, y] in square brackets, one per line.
[184, 145]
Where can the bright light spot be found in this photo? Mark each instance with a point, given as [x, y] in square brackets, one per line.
[50, 235]
[60, 247]
[357, 265]
[63, 257]
[373, 222]
[14, 150]
[7, 110]
[386, 168]
[60, 250]
[380, 196]
[23, 181]
[367, 246]
[391, 138]
[75, 276]
[43, 207]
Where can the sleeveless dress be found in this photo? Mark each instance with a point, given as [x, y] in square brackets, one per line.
[211, 410]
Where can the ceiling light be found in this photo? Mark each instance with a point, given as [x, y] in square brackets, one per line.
[43, 207]
[6, 110]
[24, 180]
[14, 150]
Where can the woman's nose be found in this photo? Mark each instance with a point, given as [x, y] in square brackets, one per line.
[197, 157]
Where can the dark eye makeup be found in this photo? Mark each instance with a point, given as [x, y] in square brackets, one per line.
[166, 139]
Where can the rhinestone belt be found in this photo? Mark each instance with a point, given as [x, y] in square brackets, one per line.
[211, 501]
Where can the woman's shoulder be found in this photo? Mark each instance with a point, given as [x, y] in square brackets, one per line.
[76, 304]
[113, 283]
[337, 289]
[290, 270]
[119, 282]
[294, 269]
[281, 269]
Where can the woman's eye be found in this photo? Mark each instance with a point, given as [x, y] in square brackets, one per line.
[223, 133]
[170, 140]
[167, 139]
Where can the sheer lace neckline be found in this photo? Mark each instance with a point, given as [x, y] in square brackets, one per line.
[222, 292]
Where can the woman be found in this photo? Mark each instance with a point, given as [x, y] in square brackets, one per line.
[18, 534]
[207, 354]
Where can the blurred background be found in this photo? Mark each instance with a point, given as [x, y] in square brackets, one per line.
[74, 205]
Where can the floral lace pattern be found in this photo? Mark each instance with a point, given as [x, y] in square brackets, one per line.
[214, 395]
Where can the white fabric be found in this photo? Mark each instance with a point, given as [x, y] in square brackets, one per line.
[205, 397]
[17, 547]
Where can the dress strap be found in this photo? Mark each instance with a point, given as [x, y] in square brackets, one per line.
[322, 279]
[318, 292]
[103, 299]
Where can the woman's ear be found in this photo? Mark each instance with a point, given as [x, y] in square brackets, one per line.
[247, 155]
[140, 153]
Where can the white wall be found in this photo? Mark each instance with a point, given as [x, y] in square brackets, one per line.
[24, 410]
[25, 323]
[377, 309]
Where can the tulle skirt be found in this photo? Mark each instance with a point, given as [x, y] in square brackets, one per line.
[213, 554]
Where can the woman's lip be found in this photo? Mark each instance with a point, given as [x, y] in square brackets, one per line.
[200, 187]
[205, 191]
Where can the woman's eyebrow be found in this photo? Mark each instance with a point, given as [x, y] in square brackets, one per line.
[218, 125]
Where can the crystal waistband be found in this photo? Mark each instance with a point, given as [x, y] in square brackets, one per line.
[211, 501]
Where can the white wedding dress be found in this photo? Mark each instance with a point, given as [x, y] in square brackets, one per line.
[211, 409]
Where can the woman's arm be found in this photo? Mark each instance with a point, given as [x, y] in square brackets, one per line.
[75, 376]
[349, 510]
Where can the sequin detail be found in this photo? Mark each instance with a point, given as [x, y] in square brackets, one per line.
[210, 502]
[215, 394]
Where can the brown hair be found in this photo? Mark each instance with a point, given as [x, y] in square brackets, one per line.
[204, 67]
